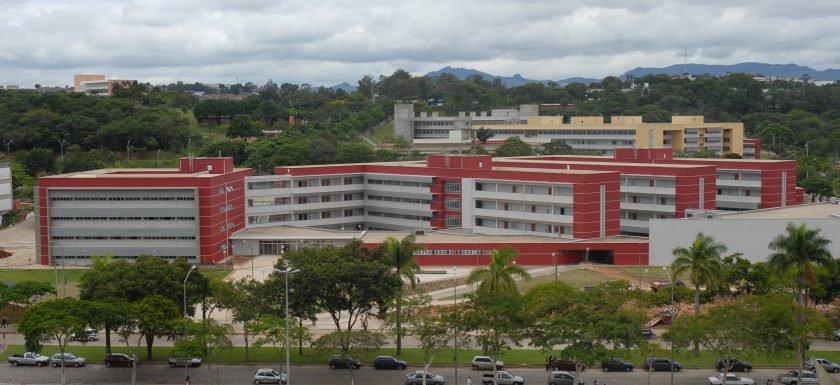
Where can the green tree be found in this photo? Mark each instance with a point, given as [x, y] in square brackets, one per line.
[244, 299]
[37, 160]
[556, 147]
[157, 316]
[798, 252]
[54, 320]
[76, 161]
[270, 329]
[496, 321]
[501, 274]
[242, 127]
[514, 146]
[483, 134]
[582, 322]
[400, 255]
[24, 293]
[702, 262]
[350, 344]
[208, 339]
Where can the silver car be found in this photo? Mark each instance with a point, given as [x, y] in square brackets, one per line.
[562, 377]
[69, 360]
[269, 376]
[416, 378]
[486, 363]
[826, 364]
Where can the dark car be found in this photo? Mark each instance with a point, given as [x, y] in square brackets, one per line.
[567, 365]
[735, 365]
[193, 362]
[647, 333]
[337, 362]
[118, 359]
[388, 362]
[658, 363]
[616, 365]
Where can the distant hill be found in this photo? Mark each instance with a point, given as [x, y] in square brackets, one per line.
[509, 81]
[346, 87]
[774, 70]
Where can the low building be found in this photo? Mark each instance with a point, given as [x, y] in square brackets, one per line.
[748, 232]
[185, 212]
[683, 134]
[6, 199]
[97, 84]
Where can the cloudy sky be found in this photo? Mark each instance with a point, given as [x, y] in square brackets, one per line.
[324, 42]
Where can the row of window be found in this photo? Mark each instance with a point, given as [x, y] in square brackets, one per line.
[399, 216]
[434, 123]
[74, 237]
[561, 132]
[399, 199]
[123, 198]
[388, 182]
[515, 189]
[122, 218]
[507, 206]
[514, 225]
[452, 252]
[130, 257]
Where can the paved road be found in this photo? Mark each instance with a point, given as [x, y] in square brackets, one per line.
[321, 375]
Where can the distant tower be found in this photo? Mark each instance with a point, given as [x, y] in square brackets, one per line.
[685, 63]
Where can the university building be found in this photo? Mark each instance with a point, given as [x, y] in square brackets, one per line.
[684, 133]
[186, 212]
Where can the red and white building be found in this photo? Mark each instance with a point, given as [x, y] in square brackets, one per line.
[186, 212]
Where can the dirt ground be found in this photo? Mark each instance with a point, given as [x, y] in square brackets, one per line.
[19, 242]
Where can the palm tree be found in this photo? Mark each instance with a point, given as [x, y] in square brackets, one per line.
[499, 275]
[400, 255]
[800, 251]
[702, 261]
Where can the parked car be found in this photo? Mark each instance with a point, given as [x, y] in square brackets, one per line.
[562, 377]
[485, 363]
[567, 365]
[648, 333]
[29, 358]
[735, 365]
[193, 362]
[269, 376]
[659, 363]
[791, 377]
[731, 379]
[89, 334]
[69, 360]
[826, 364]
[837, 334]
[503, 378]
[118, 359]
[416, 378]
[338, 361]
[388, 362]
[616, 365]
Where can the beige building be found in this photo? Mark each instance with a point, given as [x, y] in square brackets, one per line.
[683, 134]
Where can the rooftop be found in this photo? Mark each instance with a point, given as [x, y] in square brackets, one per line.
[293, 232]
[809, 211]
[136, 173]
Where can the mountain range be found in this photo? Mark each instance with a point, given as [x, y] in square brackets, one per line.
[766, 69]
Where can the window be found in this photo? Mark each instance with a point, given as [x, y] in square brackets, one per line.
[635, 199]
[562, 211]
[663, 201]
[348, 180]
[479, 221]
[479, 187]
[325, 198]
[348, 213]
[348, 197]
[303, 217]
[634, 216]
[302, 200]
[737, 176]
[453, 204]
[551, 191]
[453, 221]
[720, 192]
[479, 204]
[533, 208]
[453, 187]
[303, 183]
[513, 189]
[505, 224]
[506, 207]
[325, 215]
[747, 193]
[651, 183]
[325, 182]
[533, 227]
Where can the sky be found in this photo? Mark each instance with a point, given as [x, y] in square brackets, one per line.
[325, 42]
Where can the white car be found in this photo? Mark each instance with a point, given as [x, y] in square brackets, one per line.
[485, 363]
[731, 379]
[269, 376]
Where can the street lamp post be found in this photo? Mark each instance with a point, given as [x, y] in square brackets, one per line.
[158, 158]
[673, 319]
[455, 289]
[8, 148]
[286, 273]
[185, 311]
[251, 249]
[61, 143]
[128, 151]
[554, 259]
[63, 270]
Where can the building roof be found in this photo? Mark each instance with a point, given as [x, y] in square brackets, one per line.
[293, 232]
[130, 173]
[809, 211]
[541, 160]
[435, 236]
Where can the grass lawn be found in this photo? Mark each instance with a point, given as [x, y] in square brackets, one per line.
[577, 278]
[414, 356]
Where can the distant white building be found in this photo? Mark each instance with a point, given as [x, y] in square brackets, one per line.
[5, 186]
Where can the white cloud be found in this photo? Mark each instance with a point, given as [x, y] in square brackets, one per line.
[325, 42]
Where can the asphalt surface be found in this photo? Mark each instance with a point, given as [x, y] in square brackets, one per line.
[318, 375]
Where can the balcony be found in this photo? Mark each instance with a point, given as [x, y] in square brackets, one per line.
[649, 207]
[667, 191]
[523, 216]
[522, 197]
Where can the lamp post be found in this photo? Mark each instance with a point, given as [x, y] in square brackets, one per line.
[128, 151]
[63, 271]
[251, 249]
[673, 319]
[554, 260]
[61, 143]
[455, 289]
[158, 158]
[185, 311]
[286, 273]
[8, 148]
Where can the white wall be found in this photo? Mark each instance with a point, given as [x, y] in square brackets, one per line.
[748, 236]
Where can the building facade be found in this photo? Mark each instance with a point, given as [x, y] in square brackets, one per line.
[449, 192]
[6, 199]
[97, 84]
[684, 133]
[186, 212]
